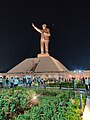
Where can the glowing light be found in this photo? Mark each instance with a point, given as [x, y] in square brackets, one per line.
[75, 71]
[48, 82]
[79, 71]
[35, 97]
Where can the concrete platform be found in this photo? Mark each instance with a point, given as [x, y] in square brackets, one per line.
[43, 55]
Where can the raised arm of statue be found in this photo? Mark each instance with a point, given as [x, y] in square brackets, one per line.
[37, 29]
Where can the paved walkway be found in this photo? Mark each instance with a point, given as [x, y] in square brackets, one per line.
[86, 113]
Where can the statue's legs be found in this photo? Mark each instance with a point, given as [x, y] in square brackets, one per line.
[46, 46]
[42, 47]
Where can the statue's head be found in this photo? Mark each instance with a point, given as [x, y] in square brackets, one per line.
[44, 26]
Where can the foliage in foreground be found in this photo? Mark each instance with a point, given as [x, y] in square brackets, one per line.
[14, 102]
[53, 105]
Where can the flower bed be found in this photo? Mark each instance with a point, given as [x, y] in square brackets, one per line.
[18, 104]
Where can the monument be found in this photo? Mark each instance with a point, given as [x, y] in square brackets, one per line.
[44, 63]
[44, 41]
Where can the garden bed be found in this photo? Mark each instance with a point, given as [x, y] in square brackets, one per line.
[18, 104]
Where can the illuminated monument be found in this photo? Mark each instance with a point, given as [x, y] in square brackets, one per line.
[44, 41]
[43, 63]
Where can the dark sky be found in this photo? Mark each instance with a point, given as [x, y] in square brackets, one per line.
[69, 23]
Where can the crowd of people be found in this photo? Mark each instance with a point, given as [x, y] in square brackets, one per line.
[37, 82]
[75, 81]
[83, 80]
[27, 81]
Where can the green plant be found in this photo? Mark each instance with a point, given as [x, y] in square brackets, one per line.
[54, 104]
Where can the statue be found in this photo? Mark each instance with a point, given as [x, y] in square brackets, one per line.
[44, 42]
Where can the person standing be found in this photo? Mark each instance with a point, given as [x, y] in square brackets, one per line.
[74, 83]
[89, 84]
[44, 85]
[60, 82]
[1, 86]
[30, 82]
[24, 81]
[27, 81]
[15, 82]
[36, 85]
[12, 82]
[7, 83]
[86, 83]
[4, 81]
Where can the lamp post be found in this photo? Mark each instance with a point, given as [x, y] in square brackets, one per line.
[80, 101]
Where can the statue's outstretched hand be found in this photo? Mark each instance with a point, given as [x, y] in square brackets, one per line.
[36, 28]
[33, 25]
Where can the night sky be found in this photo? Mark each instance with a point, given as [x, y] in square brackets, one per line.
[69, 23]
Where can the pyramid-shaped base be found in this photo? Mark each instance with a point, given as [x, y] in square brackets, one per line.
[43, 63]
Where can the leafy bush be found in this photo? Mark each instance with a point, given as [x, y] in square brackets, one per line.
[65, 106]
[17, 104]
[15, 101]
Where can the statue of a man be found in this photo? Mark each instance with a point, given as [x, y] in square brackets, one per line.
[44, 42]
